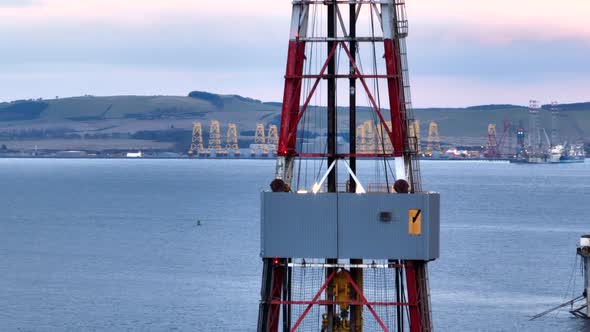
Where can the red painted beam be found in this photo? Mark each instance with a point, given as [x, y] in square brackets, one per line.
[278, 275]
[395, 97]
[345, 155]
[340, 76]
[412, 286]
[291, 115]
[359, 293]
[291, 96]
[325, 302]
[292, 134]
[315, 298]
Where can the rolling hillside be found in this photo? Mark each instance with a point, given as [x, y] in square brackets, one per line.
[165, 122]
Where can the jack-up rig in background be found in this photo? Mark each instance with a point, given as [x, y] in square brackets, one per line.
[232, 139]
[433, 142]
[539, 148]
[342, 251]
[371, 140]
[495, 148]
[215, 147]
[265, 145]
[197, 147]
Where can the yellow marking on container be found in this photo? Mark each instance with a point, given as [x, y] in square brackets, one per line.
[415, 222]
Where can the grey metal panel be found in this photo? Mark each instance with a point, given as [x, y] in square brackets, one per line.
[294, 225]
[434, 206]
[361, 234]
[343, 225]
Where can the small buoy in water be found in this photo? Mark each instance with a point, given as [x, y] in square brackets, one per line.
[198, 223]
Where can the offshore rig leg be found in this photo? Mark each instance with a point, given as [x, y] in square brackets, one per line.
[272, 285]
[417, 283]
[265, 299]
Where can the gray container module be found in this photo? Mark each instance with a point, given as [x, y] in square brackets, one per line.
[346, 225]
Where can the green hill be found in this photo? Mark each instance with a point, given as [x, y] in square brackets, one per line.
[165, 122]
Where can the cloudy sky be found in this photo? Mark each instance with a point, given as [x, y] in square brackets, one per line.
[461, 52]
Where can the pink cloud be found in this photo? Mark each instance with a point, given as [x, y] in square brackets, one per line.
[504, 21]
[142, 11]
[494, 22]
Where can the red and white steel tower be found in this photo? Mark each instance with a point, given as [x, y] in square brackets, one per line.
[365, 267]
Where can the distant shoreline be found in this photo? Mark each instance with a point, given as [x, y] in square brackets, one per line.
[226, 158]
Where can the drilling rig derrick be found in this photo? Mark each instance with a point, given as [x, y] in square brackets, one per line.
[340, 258]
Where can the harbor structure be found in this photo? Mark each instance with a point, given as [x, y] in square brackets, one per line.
[537, 152]
[348, 257]
[583, 251]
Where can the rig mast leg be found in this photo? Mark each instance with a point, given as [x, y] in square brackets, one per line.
[292, 92]
[356, 311]
[273, 277]
[417, 285]
[331, 144]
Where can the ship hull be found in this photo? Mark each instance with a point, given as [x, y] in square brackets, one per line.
[569, 160]
[530, 160]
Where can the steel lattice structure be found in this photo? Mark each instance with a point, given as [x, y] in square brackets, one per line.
[339, 294]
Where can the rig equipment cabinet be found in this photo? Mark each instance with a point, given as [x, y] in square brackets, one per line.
[348, 225]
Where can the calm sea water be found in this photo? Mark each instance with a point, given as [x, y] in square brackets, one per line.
[113, 245]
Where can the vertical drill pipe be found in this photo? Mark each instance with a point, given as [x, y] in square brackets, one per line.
[331, 97]
[356, 311]
[352, 101]
[331, 140]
